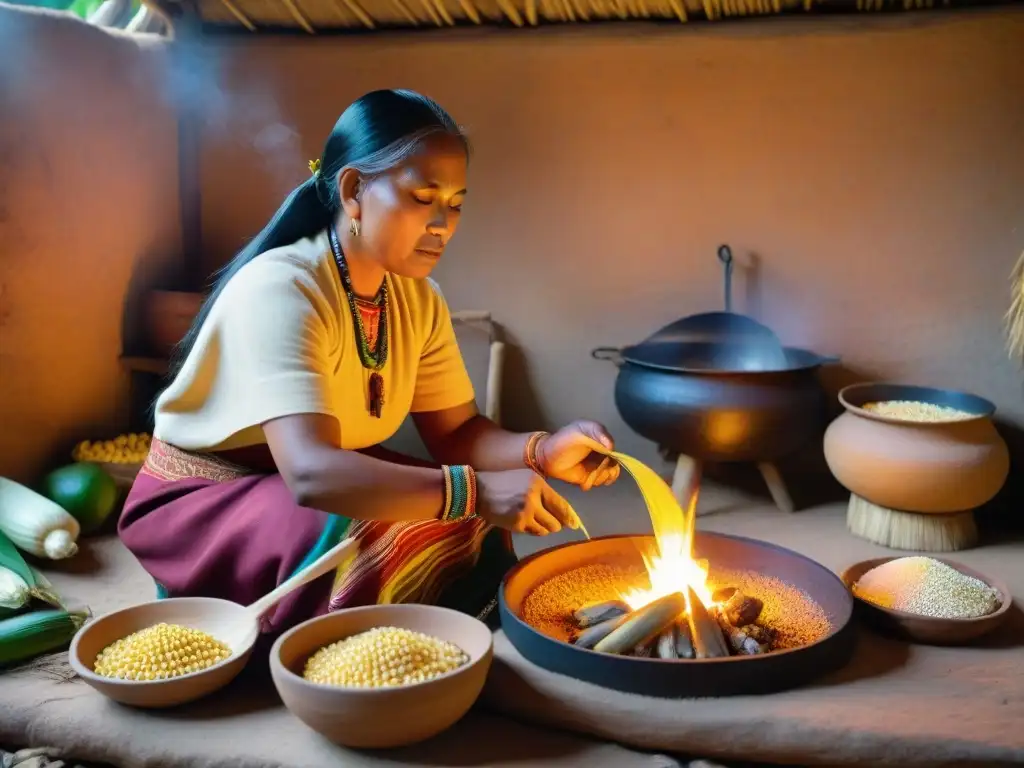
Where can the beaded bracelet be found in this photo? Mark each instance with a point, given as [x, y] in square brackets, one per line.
[530, 451]
[459, 492]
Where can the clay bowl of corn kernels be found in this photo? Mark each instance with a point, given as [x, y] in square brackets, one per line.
[405, 672]
[870, 596]
[206, 662]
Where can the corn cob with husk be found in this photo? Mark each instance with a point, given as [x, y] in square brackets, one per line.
[19, 582]
[35, 524]
[1015, 315]
[28, 635]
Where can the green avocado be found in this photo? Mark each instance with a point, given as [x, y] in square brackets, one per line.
[87, 492]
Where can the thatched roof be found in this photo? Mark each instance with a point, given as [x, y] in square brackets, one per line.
[334, 16]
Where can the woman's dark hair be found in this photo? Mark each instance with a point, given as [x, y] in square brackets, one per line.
[377, 132]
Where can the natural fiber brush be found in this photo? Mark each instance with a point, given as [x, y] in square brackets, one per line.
[913, 531]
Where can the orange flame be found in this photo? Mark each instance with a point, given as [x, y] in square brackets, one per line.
[672, 568]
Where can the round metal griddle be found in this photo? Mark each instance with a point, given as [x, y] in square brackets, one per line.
[733, 676]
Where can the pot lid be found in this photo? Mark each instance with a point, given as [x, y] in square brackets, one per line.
[721, 341]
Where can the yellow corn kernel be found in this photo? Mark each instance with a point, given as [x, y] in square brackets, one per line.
[159, 653]
[383, 657]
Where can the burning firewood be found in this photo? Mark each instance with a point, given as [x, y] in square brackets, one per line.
[643, 651]
[763, 635]
[736, 617]
[666, 630]
[675, 642]
[741, 642]
[589, 615]
[723, 594]
[591, 636]
[741, 610]
[665, 646]
[684, 640]
[708, 641]
[643, 625]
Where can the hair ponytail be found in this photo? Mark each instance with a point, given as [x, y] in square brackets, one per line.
[301, 215]
[376, 132]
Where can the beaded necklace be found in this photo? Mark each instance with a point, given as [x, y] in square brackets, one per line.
[373, 353]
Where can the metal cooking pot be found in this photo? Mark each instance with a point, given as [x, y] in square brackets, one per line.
[720, 387]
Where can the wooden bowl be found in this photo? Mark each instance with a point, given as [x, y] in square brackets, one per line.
[382, 717]
[224, 620]
[927, 629]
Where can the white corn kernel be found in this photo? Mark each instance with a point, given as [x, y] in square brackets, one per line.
[383, 657]
[160, 652]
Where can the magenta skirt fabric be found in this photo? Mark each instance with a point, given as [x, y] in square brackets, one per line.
[235, 539]
[202, 527]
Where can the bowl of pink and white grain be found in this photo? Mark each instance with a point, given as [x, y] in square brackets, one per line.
[927, 600]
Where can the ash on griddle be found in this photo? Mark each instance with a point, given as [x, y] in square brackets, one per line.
[794, 617]
[550, 605]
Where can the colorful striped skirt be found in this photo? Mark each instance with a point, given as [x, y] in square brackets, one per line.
[201, 526]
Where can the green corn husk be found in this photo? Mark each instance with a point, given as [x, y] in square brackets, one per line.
[39, 587]
[28, 635]
[11, 559]
[14, 592]
[16, 579]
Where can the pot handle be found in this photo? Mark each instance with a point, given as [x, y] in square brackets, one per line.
[614, 354]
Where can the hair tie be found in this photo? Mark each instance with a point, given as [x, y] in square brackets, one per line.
[321, 193]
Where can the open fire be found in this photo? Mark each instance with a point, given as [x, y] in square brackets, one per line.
[672, 605]
[677, 616]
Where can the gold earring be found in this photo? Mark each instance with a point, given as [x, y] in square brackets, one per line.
[353, 227]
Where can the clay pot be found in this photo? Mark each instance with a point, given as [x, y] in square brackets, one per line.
[382, 717]
[937, 467]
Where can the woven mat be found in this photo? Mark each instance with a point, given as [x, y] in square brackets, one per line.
[895, 704]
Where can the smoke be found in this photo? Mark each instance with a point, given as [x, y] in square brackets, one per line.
[200, 81]
[239, 110]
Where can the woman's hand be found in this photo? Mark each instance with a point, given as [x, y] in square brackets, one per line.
[574, 455]
[520, 501]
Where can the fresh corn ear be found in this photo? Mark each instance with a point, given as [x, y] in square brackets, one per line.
[15, 578]
[11, 559]
[19, 582]
[28, 635]
[35, 524]
[14, 592]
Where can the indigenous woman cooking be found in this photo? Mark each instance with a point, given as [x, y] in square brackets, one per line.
[317, 341]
